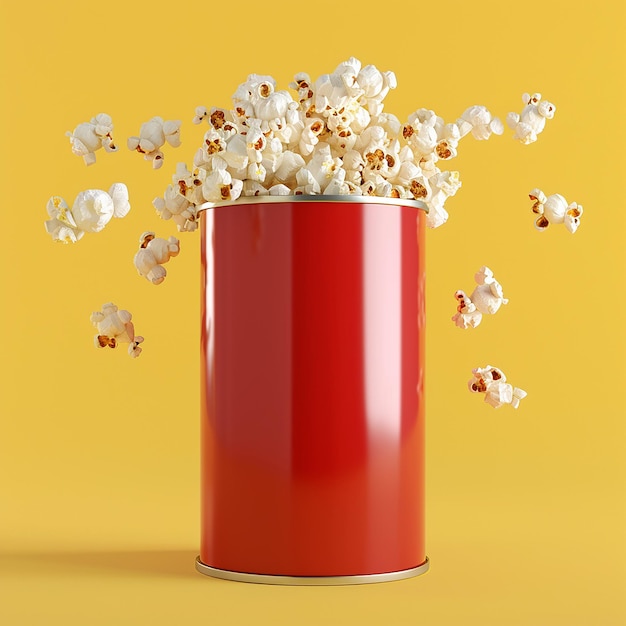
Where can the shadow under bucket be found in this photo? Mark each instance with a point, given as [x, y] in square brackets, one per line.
[313, 390]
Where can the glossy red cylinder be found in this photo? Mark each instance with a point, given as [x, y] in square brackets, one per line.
[312, 387]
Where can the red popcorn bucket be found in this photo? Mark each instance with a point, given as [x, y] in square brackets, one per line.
[313, 390]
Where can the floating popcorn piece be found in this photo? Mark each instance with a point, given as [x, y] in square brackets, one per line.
[488, 295]
[153, 252]
[518, 395]
[119, 195]
[572, 217]
[91, 136]
[115, 327]
[492, 382]
[91, 212]
[467, 315]
[533, 118]
[62, 226]
[479, 121]
[555, 210]
[152, 136]
[486, 299]
[498, 394]
[201, 114]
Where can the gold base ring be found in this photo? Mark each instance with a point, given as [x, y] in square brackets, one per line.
[271, 579]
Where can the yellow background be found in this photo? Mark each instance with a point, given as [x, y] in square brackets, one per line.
[100, 452]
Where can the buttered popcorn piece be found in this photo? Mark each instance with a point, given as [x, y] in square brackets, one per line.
[532, 120]
[492, 382]
[486, 299]
[91, 212]
[152, 253]
[152, 136]
[89, 137]
[555, 210]
[115, 327]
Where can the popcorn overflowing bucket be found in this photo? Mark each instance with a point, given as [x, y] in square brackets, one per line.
[313, 389]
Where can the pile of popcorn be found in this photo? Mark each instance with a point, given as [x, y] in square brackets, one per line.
[333, 138]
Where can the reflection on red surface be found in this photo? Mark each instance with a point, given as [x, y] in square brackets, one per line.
[312, 388]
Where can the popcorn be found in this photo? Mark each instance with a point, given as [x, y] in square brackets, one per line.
[333, 139]
[336, 90]
[115, 327]
[271, 105]
[91, 212]
[254, 188]
[153, 252]
[486, 299]
[492, 382]
[533, 118]
[444, 185]
[119, 195]
[420, 132]
[467, 315]
[220, 119]
[220, 186]
[181, 199]
[307, 185]
[255, 143]
[572, 217]
[290, 164]
[91, 136]
[201, 114]
[323, 166]
[375, 86]
[257, 99]
[279, 190]
[302, 83]
[487, 296]
[555, 210]
[309, 136]
[256, 172]
[152, 136]
[235, 155]
[478, 120]
[272, 157]
[62, 226]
